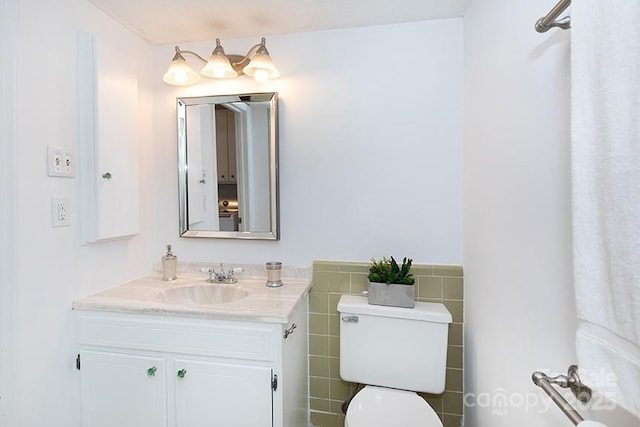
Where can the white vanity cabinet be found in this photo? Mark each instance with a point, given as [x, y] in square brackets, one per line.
[140, 370]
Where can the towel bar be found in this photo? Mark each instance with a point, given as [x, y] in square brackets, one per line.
[572, 381]
[550, 20]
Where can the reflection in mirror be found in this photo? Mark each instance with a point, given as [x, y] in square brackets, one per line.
[228, 166]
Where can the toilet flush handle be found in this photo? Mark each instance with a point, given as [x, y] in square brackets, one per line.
[350, 319]
[289, 330]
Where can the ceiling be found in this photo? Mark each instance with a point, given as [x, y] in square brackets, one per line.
[177, 21]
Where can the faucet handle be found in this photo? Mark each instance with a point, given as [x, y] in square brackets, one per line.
[230, 272]
[212, 273]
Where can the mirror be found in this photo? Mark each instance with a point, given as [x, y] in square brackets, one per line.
[228, 166]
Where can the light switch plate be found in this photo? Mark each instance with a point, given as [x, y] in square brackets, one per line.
[60, 162]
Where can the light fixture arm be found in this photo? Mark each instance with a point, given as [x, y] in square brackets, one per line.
[179, 53]
[244, 60]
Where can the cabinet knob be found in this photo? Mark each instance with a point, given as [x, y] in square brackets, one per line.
[182, 373]
[152, 371]
[106, 175]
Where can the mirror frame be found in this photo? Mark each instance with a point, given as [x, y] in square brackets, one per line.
[183, 190]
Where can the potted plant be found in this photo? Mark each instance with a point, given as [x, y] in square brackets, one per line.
[391, 284]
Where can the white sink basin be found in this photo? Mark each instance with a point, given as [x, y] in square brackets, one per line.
[204, 294]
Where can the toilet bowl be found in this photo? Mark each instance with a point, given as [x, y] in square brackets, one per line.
[384, 407]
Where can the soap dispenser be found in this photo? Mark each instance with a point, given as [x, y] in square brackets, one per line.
[169, 265]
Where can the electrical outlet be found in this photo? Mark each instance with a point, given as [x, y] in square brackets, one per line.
[60, 162]
[60, 211]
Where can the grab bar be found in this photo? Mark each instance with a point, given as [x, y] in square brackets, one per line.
[550, 20]
[571, 381]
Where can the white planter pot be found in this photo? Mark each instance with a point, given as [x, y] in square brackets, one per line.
[393, 294]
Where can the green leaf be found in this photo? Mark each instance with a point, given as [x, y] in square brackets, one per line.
[388, 271]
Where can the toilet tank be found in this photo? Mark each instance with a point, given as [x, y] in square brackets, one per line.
[395, 347]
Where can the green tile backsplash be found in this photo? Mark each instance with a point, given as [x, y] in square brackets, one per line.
[331, 280]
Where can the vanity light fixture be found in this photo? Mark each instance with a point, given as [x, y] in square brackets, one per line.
[256, 63]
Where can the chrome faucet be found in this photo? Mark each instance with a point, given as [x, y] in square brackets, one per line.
[222, 276]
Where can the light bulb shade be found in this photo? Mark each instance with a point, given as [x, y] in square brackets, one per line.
[180, 73]
[218, 67]
[261, 67]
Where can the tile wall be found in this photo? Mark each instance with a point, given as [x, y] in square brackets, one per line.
[331, 280]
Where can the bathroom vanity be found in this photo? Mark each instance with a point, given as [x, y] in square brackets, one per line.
[189, 353]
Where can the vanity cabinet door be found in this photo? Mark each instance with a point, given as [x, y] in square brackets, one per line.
[222, 394]
[123, 390]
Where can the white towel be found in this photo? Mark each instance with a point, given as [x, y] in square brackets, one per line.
[605, 77]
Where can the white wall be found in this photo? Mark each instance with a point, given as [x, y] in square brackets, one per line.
[369, 154]
[53, 266]
[8, 211]
[520, 314]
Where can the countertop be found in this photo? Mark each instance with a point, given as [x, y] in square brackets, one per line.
[146, 296]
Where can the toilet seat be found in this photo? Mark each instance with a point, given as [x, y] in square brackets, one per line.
[383, 407]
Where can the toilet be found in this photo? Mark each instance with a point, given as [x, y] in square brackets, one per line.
[396, 352]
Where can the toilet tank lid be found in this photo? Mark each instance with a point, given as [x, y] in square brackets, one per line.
[424, 311]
